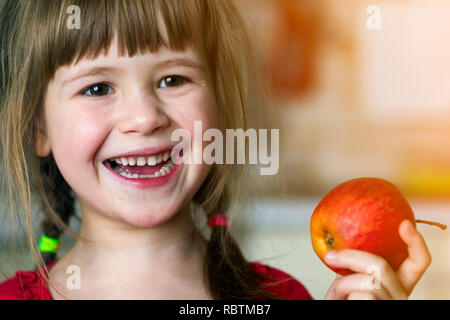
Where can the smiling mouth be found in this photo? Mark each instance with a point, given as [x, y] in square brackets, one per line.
[154, 166]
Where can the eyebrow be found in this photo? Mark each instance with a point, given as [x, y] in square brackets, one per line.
[178, 61]
[92, 72]
[113, 70]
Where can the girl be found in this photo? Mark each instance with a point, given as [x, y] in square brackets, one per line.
[162, 65]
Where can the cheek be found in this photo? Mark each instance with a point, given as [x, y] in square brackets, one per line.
[76, 136]
[196, 107]
[199, 107]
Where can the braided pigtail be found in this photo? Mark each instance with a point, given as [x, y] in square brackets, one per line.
[230, 275]
[63, 202]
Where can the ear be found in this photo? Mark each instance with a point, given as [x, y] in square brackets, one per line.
[42, 144]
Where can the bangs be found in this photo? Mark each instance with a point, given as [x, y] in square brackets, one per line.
[141, 26]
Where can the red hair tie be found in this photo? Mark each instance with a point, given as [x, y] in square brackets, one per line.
[217, 219]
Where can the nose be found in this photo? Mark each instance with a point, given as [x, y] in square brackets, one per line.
[142, 115]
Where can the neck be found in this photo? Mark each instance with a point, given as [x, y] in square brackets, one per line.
[101, 238]
[170, 254]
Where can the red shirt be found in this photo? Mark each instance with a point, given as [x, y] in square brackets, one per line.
[29, 285]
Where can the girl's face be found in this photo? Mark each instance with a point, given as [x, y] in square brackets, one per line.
[105, 108]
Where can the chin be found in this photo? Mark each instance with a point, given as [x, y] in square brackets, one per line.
[148, 218]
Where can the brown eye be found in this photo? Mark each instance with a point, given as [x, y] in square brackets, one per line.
[171, 81]
[98, 90]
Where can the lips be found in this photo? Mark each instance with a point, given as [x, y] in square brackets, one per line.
[157, 179]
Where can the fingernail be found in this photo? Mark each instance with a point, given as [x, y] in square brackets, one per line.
[330, 255]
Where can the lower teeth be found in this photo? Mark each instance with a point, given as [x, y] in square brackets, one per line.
[166, 169]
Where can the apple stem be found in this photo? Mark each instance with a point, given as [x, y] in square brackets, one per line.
[440, 225]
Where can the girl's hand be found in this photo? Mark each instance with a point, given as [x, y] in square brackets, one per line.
[385, 283]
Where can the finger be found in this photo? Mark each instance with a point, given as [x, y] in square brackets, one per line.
[361, 295]
[329, 294]
[418, 259]
[358, 282]
[369, 263]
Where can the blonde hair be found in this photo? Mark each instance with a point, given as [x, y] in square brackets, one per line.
[35, 41]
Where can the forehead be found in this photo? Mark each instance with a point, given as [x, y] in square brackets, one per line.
[162, 53]
[113, 58]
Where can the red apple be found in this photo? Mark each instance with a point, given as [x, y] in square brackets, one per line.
[362, 214]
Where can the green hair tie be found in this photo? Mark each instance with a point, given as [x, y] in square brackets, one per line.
[47, 244]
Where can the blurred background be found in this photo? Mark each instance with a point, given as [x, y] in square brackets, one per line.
[362, 89]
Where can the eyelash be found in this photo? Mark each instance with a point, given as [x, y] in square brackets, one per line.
[183, 80]
[83, 92]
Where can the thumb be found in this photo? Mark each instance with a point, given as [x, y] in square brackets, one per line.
[418, 260]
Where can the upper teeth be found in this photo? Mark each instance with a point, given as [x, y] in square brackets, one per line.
[142, 161]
